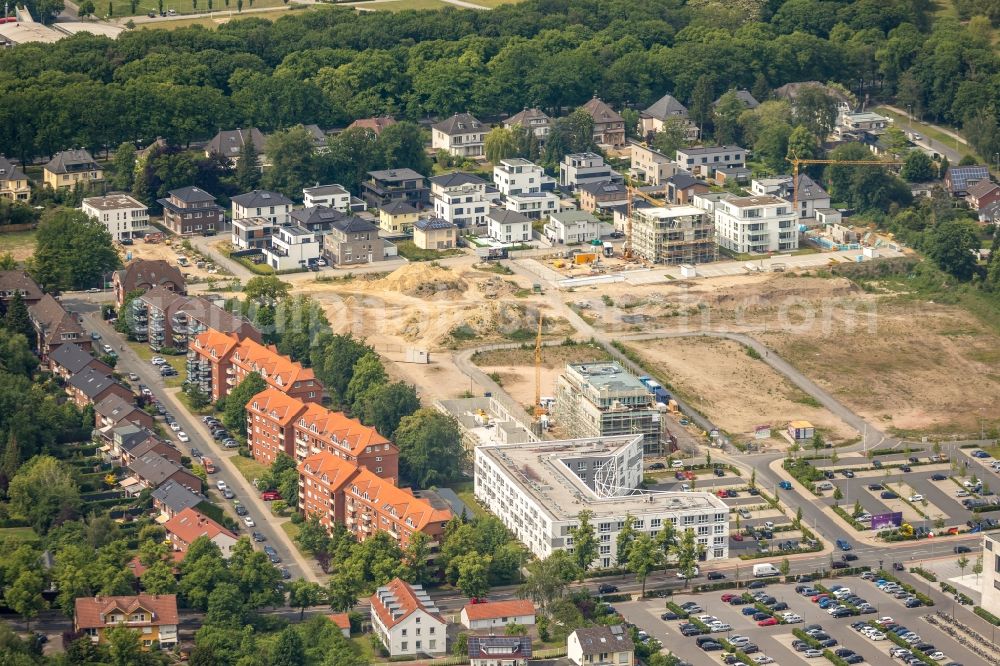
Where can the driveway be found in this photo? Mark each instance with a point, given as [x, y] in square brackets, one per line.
[200, 437]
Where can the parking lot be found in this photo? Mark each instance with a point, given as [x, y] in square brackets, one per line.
[776, 641]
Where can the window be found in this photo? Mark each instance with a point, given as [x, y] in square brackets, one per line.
[403, 632]
[403, 646]
[417, 645]
[432, 644]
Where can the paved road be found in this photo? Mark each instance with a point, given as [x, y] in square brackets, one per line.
[951, 150]
[202, 439]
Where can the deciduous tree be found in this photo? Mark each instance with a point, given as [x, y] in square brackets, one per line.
[584, 540]
[430, 448]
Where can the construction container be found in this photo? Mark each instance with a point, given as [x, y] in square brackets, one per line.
[585, 258]
[688, 271]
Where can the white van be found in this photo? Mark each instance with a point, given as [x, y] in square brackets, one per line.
[764, 570]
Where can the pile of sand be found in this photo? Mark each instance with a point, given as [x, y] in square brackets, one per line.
[421, 280]
[495, 287]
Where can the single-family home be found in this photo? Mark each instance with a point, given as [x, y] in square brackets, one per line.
[743, 95]
[317, 219]
[756, 225]
[229, 144]
[18, 282]
[682, 187]
[597, 196]
[406, 620]
[190, 524]
[14, 183]
[115, 410]
[507, 226]
[144, 274]
[170, 498]
[153, 616]
[609, 127]
[292, 247]
[497, 615]
[70, 359]
[397, 217]
[374, 125]
[849, 122]
[601, 646]
[91, 386]
[121, 214]
[517, 175]
[331, 196]
[650, 166]
[69, 167]
[460, 198]
[734, 174]
[272, 207]
[704, 160]
[533, 120]
[499, 650]
[461, 135]
[343, 622]
[433, 233]
[660, 111]
[576, 169]
[572, 226]
[317, 136]
[55, 326]
[353, 240]
[983, 194]
[381, 187]
[192, 210]
[533, 206]
[152, 469]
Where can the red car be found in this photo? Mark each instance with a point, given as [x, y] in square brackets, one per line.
[721, 493]
[478, 600]
[729, 597]
[816, 598]
[270, 495]
[769, 622]
[737, 537]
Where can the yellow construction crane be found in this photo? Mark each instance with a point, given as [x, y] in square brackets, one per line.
[628, 253]
[795, 172]
[539, 410]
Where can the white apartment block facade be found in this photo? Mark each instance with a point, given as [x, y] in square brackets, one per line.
[519, 176]
[534, 206]
[991, 573]
[406, 620]
[123, 216]
[580, 168]
[460, 199]
[756, 225]
[332, 196]
[538, 490]
[292, 247]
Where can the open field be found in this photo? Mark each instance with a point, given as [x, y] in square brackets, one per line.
[494, 3]
[188, 7]
[17, 534]
[735, 391]
[403, 5]
[20, 244]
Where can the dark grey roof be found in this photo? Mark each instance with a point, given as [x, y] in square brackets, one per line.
[604, 187]
[499, 647]
[667, 107]
[599, 638]
[71, 161]
[114, 406]
[709, 150]
[398, 207]
[749, 101]
[154, 468]
[176, 497]
[229, 143]
[261, 198]
[71, 357]
[524, 118]
[429, 224]
[504, 216]
[683, 180]
[191, 194]
[131, 435]
[320, 190]
[354, 224]
[19, 281]
[460, 123]
[982, 188]
[809, 190]
[395, 175]
[90, 382]
[10, 171]
[456, 179]
[316, 215]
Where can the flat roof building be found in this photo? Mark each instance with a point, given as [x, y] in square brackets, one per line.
[538, 490]
[674, 235]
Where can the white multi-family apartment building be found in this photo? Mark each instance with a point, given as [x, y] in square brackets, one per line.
[332, 196]
[406, 620]
[292, 247]
[270, 206]
[756, 224]
[123, 216]
[538, 490]
[520, 176]
[579, 168]
[460, 198]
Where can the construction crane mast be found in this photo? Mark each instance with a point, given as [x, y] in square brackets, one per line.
[539, 410]
[795, 172]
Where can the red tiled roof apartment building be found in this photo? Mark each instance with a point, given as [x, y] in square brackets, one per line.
[337, 491]
[270, 415]
[218, 362]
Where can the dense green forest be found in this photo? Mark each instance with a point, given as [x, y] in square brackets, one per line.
[331, 66]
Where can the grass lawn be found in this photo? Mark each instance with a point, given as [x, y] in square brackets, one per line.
[403, 5]
[904, 123]
[18, 534]
[363, 648]
[178, 363]
[184, 400]
[186, 7]
[249, 468]
[493, 3]
[20, 244]
[466, 494]
[292, 530]
[409, 250]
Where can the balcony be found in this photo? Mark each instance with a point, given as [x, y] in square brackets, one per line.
[230, 381]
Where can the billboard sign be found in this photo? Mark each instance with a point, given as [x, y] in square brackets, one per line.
[884, 520]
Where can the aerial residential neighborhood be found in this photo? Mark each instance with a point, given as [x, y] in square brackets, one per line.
[499, 333]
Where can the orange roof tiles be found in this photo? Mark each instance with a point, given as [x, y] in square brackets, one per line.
[330, 469]
[499, 609]
[406, 602]
[215, 343]
[138, 568]
[276, 369]
[190, 524]
[337, 428]
[342, 620]
[91, 611]
[276, 405]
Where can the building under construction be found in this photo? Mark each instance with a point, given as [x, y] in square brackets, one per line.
[603, 399]
[673, 235]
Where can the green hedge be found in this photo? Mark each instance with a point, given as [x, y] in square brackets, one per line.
[985, 509]
[802, 635]
[986, 615]
[923, 573]
[698, 623]
[611, 598]
[671, 606]
[850, 519]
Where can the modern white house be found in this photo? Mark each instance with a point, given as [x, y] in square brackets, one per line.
[507, 226]
[811, 196]
[533, 206]
[406, 620]
[292, 247]
[123, 216]
[498, 615]
[538, 490]
[579, 168]
[331, 196]
[460, 198]
[461, 135]
[252, 233]
[703, 161]
[572, 226]
[756, 225]
[270, 206]
[864, 121]
[520, 176]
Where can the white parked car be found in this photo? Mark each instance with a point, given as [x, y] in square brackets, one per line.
[720, 626]
[740, 641]
[176, 427]
[937, 656]
[694, 573]
[791, 618]
[962, 493]
[676, 464]
[761, 659]
[876, 636]
[916, 498]
[248, 521]
[812, 654]
[157, 360]
[181, 435]
[221, 485]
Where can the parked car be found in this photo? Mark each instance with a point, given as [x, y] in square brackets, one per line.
[657, 465]
[938, 477]
[785, 485]
[603, 588]
[715, 575]
[133, 377]
[257, 536]
[248, 521]
[271, 495]
[181, 435]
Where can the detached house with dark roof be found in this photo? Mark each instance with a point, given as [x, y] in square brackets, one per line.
[55, 326]
[533, 120]
[609, 127]
[19, 282]
[397, 217]
[70, 167]
[960, 179]
[601, 646]
[406, 620]
[192, 210]
[229, 144]
[667, 110]
[508, 226]
[92, 386]
[460, 198]
[461, 135]
[982, 194]
[70, 359]
[353, 240]
[704, 160]
[598, 196]
[14, 183]
[145, 274]
[407, 185]
[256, 217]
[743, 95]
[435, 234]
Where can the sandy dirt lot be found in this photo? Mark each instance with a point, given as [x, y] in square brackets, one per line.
[170, 251]
[916, 368]
[516, 368]
[735, 391]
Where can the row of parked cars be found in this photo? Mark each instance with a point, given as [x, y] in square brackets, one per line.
[219, 432]
[895, 589]
[881, 628]
[839, 602]
[816, 633]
